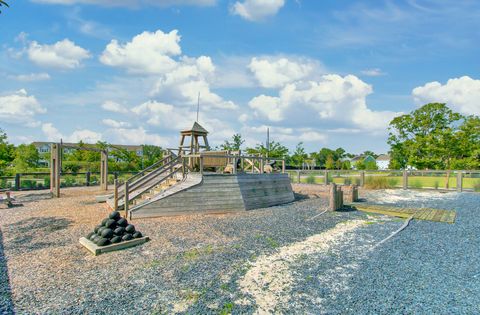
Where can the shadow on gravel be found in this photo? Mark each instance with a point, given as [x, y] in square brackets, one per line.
[30, 234]
[6, 302]
[346, 208]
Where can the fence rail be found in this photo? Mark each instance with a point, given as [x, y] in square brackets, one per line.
[459, 180]
[41, 180]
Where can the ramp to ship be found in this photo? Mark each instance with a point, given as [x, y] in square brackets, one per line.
[218, 193]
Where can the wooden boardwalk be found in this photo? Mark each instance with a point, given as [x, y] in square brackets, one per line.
[428, 214]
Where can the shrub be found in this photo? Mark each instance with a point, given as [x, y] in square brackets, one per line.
[28, 183]
[347, 181]
[416, 184]
[392, 182]
[46, 181]
[311, 179]
[358, 181]
[476, 186]
[377, 182]
[3, 183]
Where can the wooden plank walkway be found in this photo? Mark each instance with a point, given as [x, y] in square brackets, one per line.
[427, 214]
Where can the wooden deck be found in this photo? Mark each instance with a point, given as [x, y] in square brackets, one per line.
[428, 214]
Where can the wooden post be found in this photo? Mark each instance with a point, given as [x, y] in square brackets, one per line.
[362, 178]
[87, 179]
[125, 199]
[332, 200]
[17, 181]
[242, 164]
[9, 199]
[261, 165]
[283, 166]
[234, 170]
[201, 164]
[115, 194]
[354, 193]
[298, 177]
[325, 177]
[104, 170]
[460, 181]
[55, 169]
[405, 179]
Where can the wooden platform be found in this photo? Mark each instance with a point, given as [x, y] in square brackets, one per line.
[97, 250]
[220, 193]
[428, 214]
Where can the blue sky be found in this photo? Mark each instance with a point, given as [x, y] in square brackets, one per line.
[327, 73]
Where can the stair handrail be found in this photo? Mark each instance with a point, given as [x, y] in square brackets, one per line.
[154, 165]
[154, 173]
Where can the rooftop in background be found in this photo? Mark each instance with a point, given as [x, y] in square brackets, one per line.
[383, 157]
[128, 147]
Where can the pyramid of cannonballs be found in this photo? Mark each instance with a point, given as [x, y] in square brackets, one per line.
[113, 230]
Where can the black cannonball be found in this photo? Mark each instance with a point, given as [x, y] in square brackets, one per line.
[96, 238]
[90, 235]
[116, 239]
[97, 227]
[127, 237]
[137, 235]
[115, 215]
[119, 231]
[107, 233]
[110, 223]
[99, 232]
[104, 221]
[122, 222]
[130, 228]
[92, 238]
[102, 241]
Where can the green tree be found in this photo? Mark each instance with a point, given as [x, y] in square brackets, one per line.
[346, 165]
[299, 156]
[330, 163]
[427, 138]
[151, 154]
[26, 157]
[277, 150]
[7, 152]
[235, 145]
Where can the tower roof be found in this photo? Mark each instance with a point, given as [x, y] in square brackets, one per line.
[196, 128]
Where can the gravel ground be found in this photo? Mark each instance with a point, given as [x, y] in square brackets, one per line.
[267, 260]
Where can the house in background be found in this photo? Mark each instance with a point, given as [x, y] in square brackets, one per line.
[362, 158]
[383, 161]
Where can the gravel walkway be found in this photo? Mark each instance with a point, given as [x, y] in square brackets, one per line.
[267, 260]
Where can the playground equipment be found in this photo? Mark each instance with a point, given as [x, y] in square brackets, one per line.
[196, 181]
[56, 166]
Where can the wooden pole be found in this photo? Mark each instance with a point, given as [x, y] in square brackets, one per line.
[460, 181]
[298, 177]
[326, 177]
[115, 195]
[332, 200]
[201, 164]
[234, 170]
[261, 165]
[283, 166]
[104, 170]
[125, 199]
[362, 178]
[405, 179]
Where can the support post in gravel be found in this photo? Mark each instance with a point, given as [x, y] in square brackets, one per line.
[326, 177]
[87, 178]
[405, 179]
[335, 198]
[283, 166]
[17, 181]
[352, 195]
[104, 170]
[125, 199]
[362, 178]
[55, 169]
[459, 181]
[9, 199]
[115, 194]
[298, 177]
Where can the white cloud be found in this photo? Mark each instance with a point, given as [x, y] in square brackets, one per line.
[374, 72]
[137, 136]
[131, 3]
[30, 77]
[112, 106]
[272, 72]
[461, 94]
[332, 98]
[20, 108]
[84, 135]
[146, 53]
[256, 10]
[114, 123]
[63, 54]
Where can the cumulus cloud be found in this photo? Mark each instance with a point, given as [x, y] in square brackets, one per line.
[334, 98]
[114, 123]
[462, 94]
[31, 77]
[137, 136]
[146, 53]
[131, 3]
[64, 54]
[114, 107]
[273, 72]
[20, 108]
[84, 135]
[256, 10]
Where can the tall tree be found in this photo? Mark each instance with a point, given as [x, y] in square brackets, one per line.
[299, 156]
[26, 157]
[7, 152]
[276, 150]
[426, 138]
[235, 145]
[151, 154]
[330, 163]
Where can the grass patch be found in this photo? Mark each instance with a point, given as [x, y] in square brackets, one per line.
[311, 179]
[227, 308]
[416, 184]
[476, 186]
[379, 182]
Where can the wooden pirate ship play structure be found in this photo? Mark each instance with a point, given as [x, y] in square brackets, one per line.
[194, 179]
